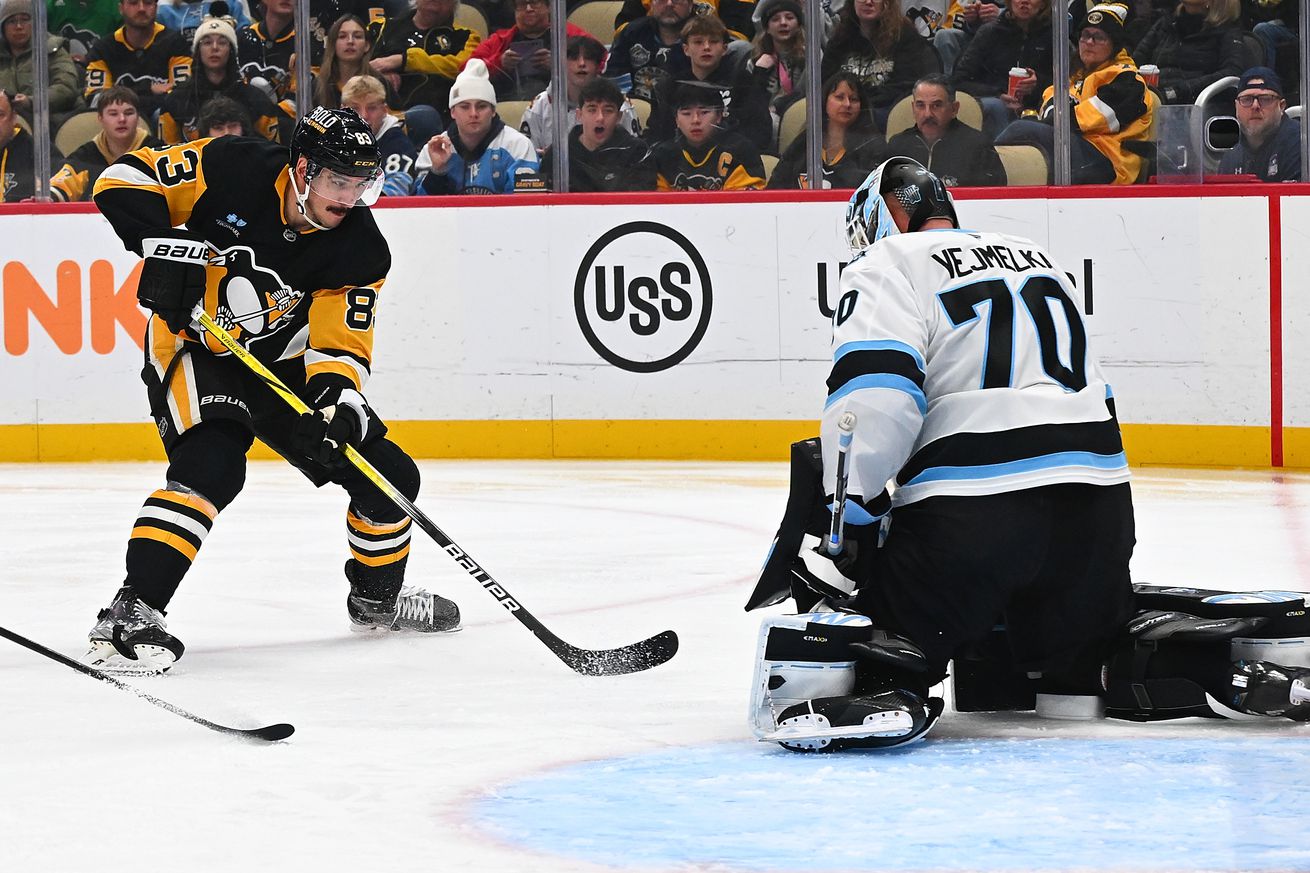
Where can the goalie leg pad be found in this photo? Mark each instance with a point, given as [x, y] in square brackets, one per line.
[800, 657]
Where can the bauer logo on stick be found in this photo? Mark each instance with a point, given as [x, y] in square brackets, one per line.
[643, 297]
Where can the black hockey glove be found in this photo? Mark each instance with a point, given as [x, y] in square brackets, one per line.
[339, 418]
[173, 276]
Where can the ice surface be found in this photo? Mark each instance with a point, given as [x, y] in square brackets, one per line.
[481, 751]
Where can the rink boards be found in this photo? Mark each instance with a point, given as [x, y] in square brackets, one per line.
[658, 327]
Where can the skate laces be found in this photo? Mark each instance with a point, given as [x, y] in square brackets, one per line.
[416, 604]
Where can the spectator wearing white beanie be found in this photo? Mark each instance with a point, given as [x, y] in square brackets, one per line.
[474, 83]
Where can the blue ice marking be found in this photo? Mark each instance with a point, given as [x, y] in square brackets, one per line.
[945, 805]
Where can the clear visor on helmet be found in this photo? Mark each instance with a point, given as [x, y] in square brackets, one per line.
[347, 190]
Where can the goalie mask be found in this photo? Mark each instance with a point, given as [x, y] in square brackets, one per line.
[920, 193]
[344, 162]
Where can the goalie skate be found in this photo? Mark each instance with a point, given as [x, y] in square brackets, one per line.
[130, 638]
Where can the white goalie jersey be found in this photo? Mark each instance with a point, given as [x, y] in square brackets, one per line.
[965, 359]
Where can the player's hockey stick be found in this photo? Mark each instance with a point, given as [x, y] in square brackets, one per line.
[270, 733]
[845, 424]
[591, 662]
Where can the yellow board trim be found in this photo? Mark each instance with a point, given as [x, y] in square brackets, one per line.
[1147, 444]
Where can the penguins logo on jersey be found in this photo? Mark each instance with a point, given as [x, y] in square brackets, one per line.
[252, 300]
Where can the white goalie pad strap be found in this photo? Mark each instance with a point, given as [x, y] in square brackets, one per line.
[175, 249]
[1288, 651]
[801, 679]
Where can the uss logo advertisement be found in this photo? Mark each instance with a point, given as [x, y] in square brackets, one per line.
[643, 297]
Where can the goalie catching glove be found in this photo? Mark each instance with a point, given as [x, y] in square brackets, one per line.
[173, 276]
[339, 417]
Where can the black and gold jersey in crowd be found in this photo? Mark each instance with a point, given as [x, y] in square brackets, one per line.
[78, 175]
[267, 56]
[279, 292]
[724, 162]
[179, 117]
[433, 57]
[16, 180]
[112, 61]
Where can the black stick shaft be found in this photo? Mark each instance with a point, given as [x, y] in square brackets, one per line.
[625, 659]
[270, 732]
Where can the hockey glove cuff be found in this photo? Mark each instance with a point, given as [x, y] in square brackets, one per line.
[339, 418]
[173, 276]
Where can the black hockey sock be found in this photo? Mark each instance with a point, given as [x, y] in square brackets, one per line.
[169, 530]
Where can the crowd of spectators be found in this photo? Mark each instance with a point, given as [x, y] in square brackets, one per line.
[682, 95]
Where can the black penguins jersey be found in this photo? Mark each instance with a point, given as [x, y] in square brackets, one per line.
[279, 292]
[724, 162]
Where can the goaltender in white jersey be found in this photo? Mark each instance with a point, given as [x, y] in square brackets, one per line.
[962, 373]
[964, 356]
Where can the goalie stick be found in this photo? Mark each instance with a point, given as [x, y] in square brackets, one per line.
[270, 733]
[632, 658]
[845, 424]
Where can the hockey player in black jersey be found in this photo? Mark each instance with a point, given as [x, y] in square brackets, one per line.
[986, 486]
[289, 260]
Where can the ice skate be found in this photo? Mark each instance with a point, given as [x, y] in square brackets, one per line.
[414, 609]
[1265, 688]
[130, 638]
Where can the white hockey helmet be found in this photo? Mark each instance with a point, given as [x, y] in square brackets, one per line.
[917, 189]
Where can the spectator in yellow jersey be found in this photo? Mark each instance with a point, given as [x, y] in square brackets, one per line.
[702, 157]
[1110, 108]
[420, 53]
[120, 132]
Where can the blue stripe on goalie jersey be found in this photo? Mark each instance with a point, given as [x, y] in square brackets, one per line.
[855, 513]
[879, 345]
[1028, 465]
[881, 380]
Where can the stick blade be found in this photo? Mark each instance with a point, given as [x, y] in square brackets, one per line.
[270, 734]
[625, 659]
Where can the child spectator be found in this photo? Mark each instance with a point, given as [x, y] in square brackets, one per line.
[702, 157]
[603, 154]
[366, 96]
[142, 55]
[776, 66]
[745, 109]
[955, 152]
[648, 52]
[876, 42]
[1111, 111]
[213, 74]
[1199, 44]
[120, 132]
[851, 147]
[223, 116]
[585, 57]
[483, 156]
[518, 57]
